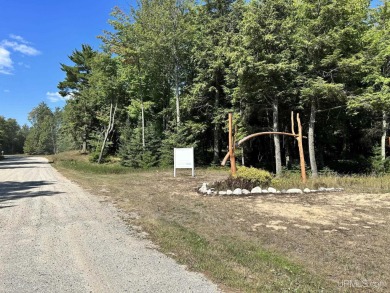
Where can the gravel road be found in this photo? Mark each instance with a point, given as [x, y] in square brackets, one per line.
[55, 237]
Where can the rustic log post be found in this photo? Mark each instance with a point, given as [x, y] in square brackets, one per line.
[292, 123]
[301, 154]
[231, 147]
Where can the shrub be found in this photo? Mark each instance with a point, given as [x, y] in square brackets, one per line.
[131, 151]
[378, 165]
[256, 176]
[233, 183]
[94, 156]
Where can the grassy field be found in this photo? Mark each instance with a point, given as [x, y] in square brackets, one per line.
[334, 242]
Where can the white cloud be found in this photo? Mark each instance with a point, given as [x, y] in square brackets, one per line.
[18, 38]
[56, 97]
[5, 61]
[7, 91]
[22, 48]
[17, 44]
[23, 65]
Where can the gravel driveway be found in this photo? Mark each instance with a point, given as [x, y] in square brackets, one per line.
[55, 237]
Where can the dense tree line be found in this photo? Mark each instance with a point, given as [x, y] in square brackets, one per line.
[171, 70]
[12, 136]
[44, 135]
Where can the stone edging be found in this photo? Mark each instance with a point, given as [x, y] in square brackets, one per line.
[206, 190]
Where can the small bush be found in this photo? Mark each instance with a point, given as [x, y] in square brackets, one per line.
[93, 157]
[233, 183]
[256, 176]
[378, 165]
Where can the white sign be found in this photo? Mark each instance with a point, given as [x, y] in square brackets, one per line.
[183, 159]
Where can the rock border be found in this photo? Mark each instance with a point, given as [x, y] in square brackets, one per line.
[206, 190]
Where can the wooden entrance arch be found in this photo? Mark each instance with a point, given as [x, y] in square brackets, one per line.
[232, 145]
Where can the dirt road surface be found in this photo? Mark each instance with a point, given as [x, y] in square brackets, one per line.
[55, 237]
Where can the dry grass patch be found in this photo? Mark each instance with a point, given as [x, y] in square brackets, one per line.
[273, 243]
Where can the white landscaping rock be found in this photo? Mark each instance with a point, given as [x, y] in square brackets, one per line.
[245, 191]
[271, 190]
[204, 188]
[306, 190]
[229, 192]
[264, 191]
[256, 189]
[294, 190]
[237, 191]
[209, 192]
[222, 192]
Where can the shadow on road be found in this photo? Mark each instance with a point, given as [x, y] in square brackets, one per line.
[13, 162]
[13, 190]
[3, 207]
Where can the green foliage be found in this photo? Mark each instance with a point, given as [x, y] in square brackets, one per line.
[133, 153]
[378, 164]
[93, 168]
[233, 183]
[43, 135]
[12, 136]
[94, 157]
[80, 109]
[184, 136]
[256, 176]
[174, 69]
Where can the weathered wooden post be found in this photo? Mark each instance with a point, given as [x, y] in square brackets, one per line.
[301, 153]
[299, 138]
[231, 146]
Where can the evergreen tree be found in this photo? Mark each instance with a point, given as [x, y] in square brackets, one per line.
[328, 42]
[80, 109]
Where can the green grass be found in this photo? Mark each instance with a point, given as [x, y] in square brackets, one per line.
[351, 183]
[235, 263]
[80, 162]
[93, 168]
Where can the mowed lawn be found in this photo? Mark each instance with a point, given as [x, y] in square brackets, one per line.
[323, 242]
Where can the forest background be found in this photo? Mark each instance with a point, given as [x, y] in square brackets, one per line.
[171, 70]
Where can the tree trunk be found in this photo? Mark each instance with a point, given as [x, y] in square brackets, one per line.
[177, 94]
[288, 155]
[384, 135]
[143, 123]
[275, 128]
[84, 148]
[217, 134]
[312, 156]
[109, 129]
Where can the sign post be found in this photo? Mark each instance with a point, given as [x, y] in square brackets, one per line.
[183, 159]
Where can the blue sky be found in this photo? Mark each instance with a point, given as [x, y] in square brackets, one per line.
[35, 37]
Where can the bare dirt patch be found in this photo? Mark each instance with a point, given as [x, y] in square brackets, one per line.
[341, 236]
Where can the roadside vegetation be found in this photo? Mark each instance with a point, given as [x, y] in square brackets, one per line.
[169, 72]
